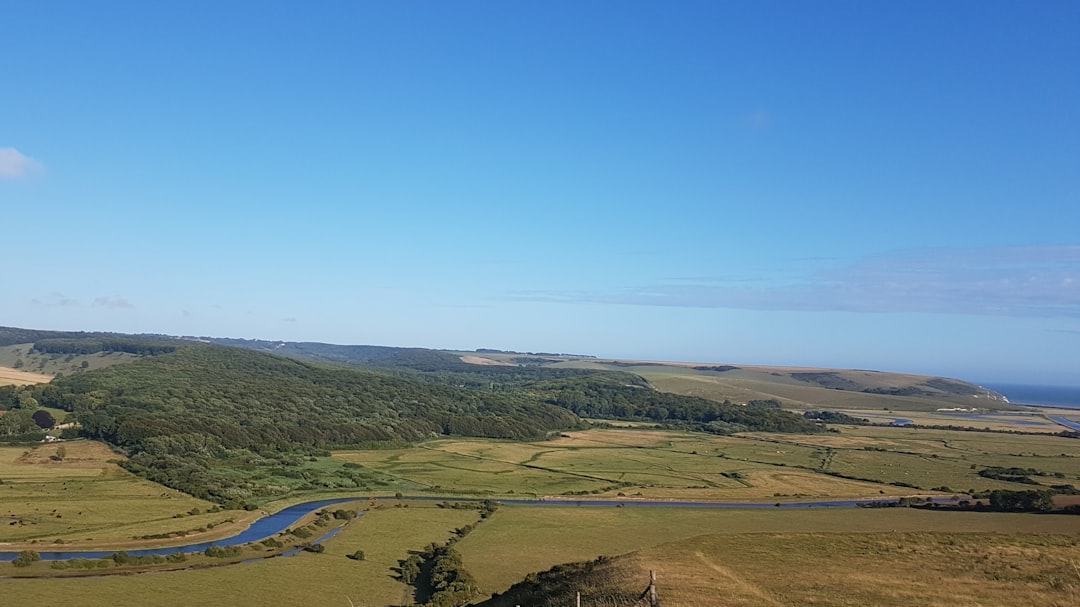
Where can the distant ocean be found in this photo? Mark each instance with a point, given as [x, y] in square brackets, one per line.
[1057, 396]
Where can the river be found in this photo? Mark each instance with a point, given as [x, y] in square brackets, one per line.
[280, 521]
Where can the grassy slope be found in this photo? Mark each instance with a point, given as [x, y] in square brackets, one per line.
[49, 365]
[84, 498]
[567, 534]
[841, 570]
[744, 383]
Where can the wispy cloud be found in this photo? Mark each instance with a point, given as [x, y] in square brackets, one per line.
[1012, 281]
[113, 303]
[14, 164]
[55, 300]
[288, 319]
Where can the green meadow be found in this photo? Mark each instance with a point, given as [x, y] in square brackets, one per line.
[85, 500]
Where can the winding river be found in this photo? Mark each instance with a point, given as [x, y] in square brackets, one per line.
[280, 521]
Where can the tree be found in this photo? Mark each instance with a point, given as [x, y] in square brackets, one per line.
[43, 419]
[17, 421]
[357, 556]
[25, 558]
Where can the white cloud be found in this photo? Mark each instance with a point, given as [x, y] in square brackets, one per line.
[55, 300]
[14, 164]
[113, 303]
[1003, 281]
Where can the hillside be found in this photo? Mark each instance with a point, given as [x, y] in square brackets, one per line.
[795, 387]
[225, 423]
[823, 569]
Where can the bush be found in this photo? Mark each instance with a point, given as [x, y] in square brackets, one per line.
[26, 558]
[356, 556]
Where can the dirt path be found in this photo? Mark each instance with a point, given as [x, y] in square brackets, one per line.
[738, 584]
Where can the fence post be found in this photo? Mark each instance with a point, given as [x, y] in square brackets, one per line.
[653, 600]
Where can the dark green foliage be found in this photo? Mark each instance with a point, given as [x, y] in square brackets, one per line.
[826, 379]
[18, 426]
[1012, 475]
[409, 569]
[43, 419]
[26, 558]
[231, 425]
[9, 397]
[835, 417]
[344, 515]
[357, 556]
[301, 532]
[1021, 501]
[316, 548]
[189, 415]
[623, 396]
[10, 336]
[598, 582]
[131, 344]
[251, 400]
[453, 585]
[222, 552]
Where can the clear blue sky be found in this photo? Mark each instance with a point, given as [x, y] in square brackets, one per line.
[889, 185]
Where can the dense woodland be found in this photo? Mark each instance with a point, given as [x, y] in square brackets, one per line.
[219, 422]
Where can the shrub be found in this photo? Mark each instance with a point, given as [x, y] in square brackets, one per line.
[25, 558]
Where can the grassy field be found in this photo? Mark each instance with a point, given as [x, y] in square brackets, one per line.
[565, 534]
[327, 579]
[798, 395]
[635, 463]
[934, 458]
[49, 365]
[835, 570]
[90, 502]
[615, 463]
[14, 377]
[86, 500]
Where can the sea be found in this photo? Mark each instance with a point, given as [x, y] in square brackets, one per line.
[1055, 396]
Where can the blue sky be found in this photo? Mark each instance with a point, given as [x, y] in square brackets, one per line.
[852, 184]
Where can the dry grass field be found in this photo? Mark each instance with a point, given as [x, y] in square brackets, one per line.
[86, 500]
[833, 548]
[844, 570]
[14, 377]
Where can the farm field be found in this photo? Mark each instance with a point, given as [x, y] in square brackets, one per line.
[622, 464]
[85, 499]
[14, 377]
[385, 536]
[657, 464]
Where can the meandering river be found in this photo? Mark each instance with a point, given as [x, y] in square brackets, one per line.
[273, 524]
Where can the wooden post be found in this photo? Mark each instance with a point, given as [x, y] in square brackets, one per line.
[579, 599]
[653, 601]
